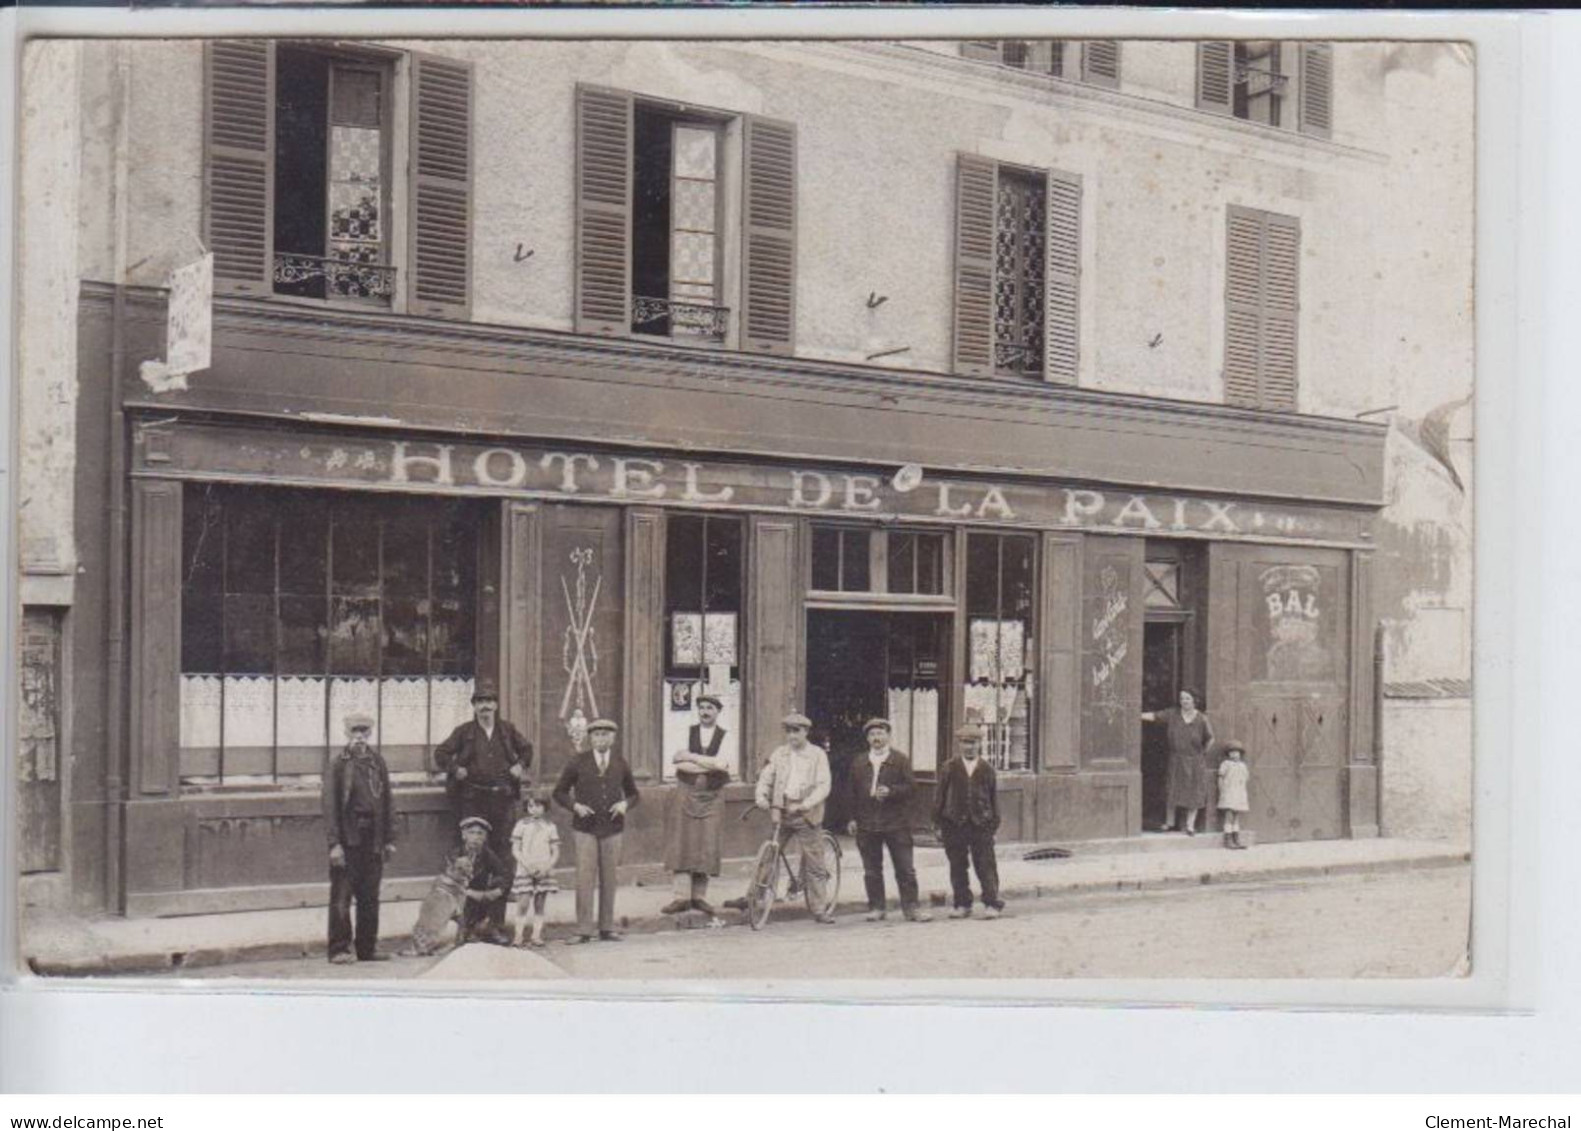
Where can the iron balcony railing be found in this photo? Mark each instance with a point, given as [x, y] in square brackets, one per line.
[679, 319]
[341, 278]
[1258, 80]
[1016, 357]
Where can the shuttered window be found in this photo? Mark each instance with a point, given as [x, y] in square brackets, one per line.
[650, 243]
[298, 154]
[1017, 271]
[1100, 62]
[1262, 292]
[1288, 85]
[1094, 61]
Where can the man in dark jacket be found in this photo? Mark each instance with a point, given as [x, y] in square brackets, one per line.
[879, 801]
[598, 789]
[488, 885]
[485, 762]
[360, 823]
[966, 811]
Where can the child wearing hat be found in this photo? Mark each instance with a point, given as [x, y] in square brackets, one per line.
[472, 881]
[486, 891]
[1234, 777]
[535, 843]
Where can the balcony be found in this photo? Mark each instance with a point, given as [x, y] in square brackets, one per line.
[317, 276]
[679, 320]
[1018, 358]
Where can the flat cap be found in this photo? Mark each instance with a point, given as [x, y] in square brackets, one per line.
[476, 822]
[876, 724]
[714, 699]
[602, 724]
[796, 719]
[969, 731]
[358, 721]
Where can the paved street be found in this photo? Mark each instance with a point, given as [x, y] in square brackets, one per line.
[1400, 924]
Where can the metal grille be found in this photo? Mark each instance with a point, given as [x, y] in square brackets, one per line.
[691, 319]
[1020, 235]
[343, 278]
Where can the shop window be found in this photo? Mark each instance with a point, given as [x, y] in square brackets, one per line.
[1262, 284]
[704, 569]
[842, 559]
[916, 563]
[1017, 271]
[1285, 85]
[1001, 649]
[651, 196]
[299, 160]
[847, 559]
[300, 608]
[1094, 61]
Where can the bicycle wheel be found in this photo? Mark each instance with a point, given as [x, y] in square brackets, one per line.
[760, 892]
[831, 860]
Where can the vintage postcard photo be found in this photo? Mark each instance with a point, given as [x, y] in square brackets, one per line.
[526, 511]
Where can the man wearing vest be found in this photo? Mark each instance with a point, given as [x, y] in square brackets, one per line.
[485, 762]
[966, 811]
[881, 786]
[692, 839]
[598, 789]
[360, 823]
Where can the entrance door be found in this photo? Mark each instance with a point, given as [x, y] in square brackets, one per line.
[863, 664]
[1161, 682]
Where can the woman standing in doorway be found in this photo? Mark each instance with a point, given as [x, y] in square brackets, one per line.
[1188, 734]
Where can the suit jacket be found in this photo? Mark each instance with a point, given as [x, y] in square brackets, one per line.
[336, 795]
[892, 814]
[966, 801]
[468, 741]
[713, 779]
[581, 782]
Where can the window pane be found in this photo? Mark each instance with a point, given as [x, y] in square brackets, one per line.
[930, 563]
[354, 636]
[249, 633]
[304, 543]
[902, 563]
[356, 552]
[249, 547]
[456, 553]
[202, 643]
[825, 558]
[301, 161]
[695, 149]
[304, 625]
[856, 567]
[1018, 580]
[406, 636]
[982, 575]
[406, 554]
[452, 628]
[202, 541]
[683, 564]
[724, 565]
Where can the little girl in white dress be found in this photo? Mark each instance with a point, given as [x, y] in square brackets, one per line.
[1234, 775]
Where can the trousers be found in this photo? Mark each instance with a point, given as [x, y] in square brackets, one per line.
[961, 842]
[871, 845]
[496, 806]
[359, 880]
[597, 863]
[800, 835]
[691, 885]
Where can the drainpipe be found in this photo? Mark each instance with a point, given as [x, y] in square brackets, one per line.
[115, 697]
[1377, 718]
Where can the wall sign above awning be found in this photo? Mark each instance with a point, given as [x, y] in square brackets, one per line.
[306, 458]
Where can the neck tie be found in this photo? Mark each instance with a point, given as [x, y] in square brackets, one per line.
[603, 763]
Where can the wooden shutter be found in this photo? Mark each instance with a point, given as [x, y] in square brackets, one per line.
[1062, 310]
[1262, 303]
[768, 243]
[976, 187]
[1100, 62]
[986, 50]
[1315, 88]
[440, 231]
[1056, 60]
[603, 210]
[238, 173]
[1216, 76]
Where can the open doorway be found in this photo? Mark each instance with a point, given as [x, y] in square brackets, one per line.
[1172, 635]
[863, 664]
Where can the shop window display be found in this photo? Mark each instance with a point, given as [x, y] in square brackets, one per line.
[703, 591]
[1001, 652]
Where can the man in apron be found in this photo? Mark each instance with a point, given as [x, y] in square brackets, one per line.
[692, 839]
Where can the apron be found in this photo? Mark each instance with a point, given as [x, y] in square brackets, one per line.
[692, 843]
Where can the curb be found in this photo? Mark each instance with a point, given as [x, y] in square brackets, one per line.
[1051, 888]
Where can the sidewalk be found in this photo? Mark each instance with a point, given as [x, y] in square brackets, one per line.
[57, 945]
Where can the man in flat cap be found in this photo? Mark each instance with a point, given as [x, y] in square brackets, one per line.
[966, 811]
[488, 885]
[793, 787]
[485, 762]
[692, 838]
[598, 789]
[360, 824]
[881, 787]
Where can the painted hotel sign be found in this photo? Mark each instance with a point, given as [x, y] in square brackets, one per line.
[455, 467]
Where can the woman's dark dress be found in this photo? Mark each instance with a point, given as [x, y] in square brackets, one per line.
[1188, 760]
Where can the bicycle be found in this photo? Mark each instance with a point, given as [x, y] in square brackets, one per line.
[773, 878]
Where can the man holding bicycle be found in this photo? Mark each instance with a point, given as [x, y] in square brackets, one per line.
[793, 787]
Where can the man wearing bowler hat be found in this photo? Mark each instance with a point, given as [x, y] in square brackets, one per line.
[485, 762]
[692, 838]
[598, 789]
[360, 823]
[881, 786]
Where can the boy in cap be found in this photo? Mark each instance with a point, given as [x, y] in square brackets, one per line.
[881, 786]
[486, 892]
[485, 762]
[966, 811]
[598, 789]
[692, 839]
[794, 786]
[360, 824]
[473, 879]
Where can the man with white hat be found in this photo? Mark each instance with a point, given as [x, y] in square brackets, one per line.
[360, 823]
[794, 786]
[881, 787]
[598, 788]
